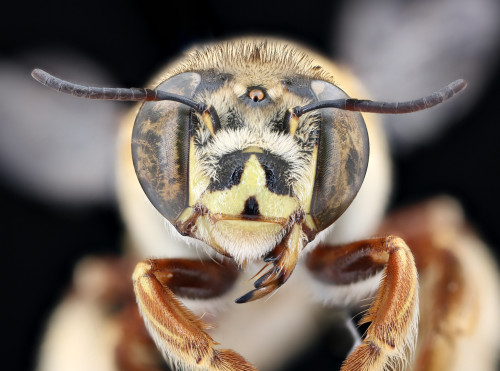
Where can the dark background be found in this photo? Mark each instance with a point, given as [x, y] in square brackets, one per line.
[41, 242]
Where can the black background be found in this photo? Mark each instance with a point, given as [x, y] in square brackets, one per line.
[42, 243]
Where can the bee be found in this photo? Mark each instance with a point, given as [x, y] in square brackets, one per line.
[250, 151]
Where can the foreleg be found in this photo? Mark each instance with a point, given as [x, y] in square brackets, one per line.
[460, 288]
[177, 332]
[393, 314]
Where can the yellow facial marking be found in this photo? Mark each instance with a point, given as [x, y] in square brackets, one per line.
[312, 170]
[208, 122]
[198, 181]
[253, 149]
[252, 184]
[293, 123]
[186, 214]
[309, 222]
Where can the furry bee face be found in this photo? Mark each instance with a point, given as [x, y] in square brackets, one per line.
[262, 154]
[250, 174]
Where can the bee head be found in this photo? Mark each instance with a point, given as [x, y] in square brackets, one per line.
[241, 173]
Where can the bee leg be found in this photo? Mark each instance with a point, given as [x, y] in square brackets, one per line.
[393, 314]
[459, 285]
[177, 332]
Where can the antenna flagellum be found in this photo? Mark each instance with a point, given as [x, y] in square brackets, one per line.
[122, 94]
[361, 105]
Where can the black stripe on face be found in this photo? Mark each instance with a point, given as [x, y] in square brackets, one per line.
[231, 167]
[277, 173]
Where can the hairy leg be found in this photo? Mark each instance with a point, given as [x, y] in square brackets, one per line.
[460, 287]
[393, 314]
[177, 332]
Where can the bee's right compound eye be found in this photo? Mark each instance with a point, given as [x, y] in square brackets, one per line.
[160, 147]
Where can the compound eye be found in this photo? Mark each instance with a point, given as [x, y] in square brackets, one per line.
[160, 147]
[342, 158]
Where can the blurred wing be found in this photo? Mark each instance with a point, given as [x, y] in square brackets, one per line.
[406, 49]
[56, 147]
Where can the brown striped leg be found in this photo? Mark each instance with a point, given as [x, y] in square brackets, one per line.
[393, 314]
[459, 288]
[178, 333]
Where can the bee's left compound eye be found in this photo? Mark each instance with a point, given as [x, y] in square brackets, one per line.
[342, 158]
[160, 147]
